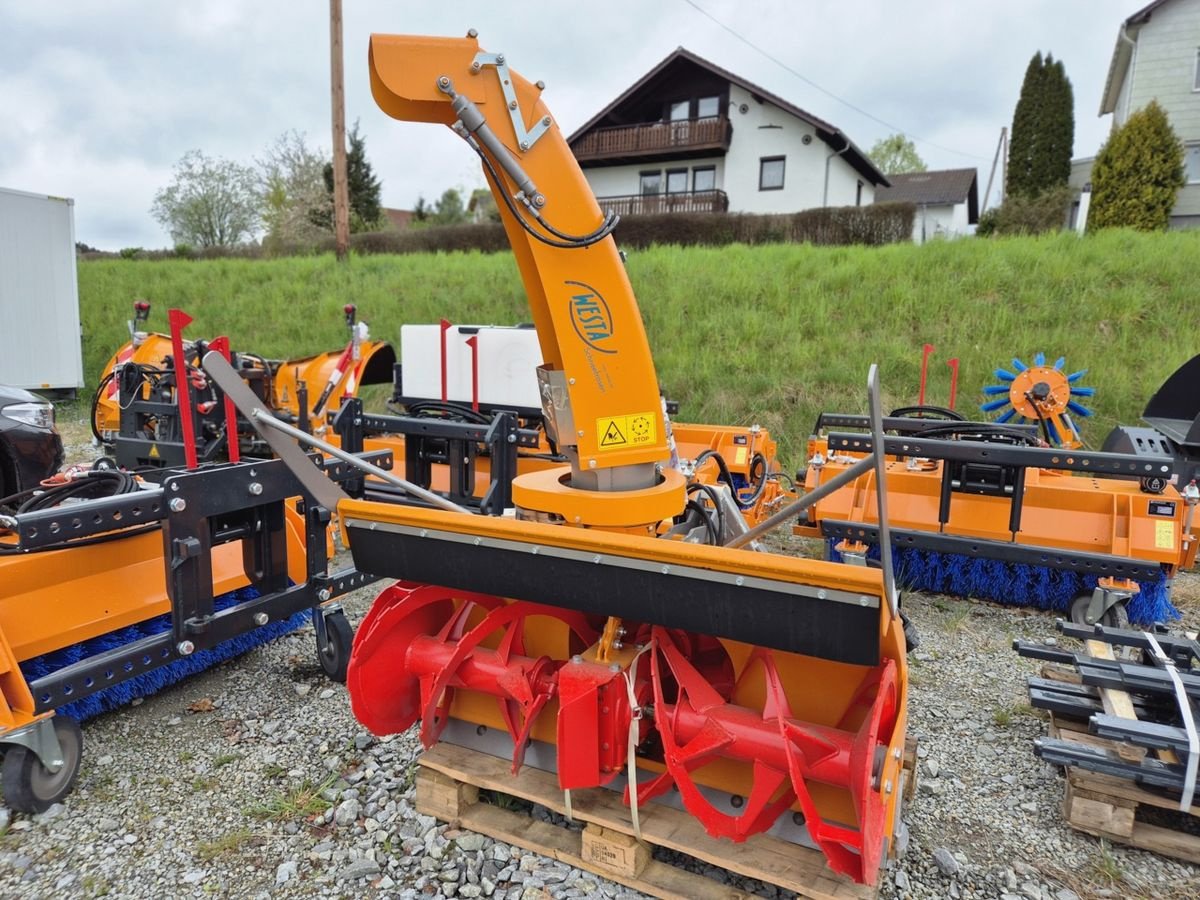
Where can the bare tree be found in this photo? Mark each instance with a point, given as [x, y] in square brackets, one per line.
[211, 202]
[292, 183]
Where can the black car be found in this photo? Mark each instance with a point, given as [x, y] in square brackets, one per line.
[30, 447]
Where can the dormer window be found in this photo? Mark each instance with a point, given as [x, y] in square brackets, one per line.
[707, 107]
[680, 110]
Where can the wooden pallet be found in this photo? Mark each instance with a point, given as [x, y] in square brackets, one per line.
[1108, 807]
[449, 779]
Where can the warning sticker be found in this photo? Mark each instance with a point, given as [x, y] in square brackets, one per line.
[1164, 535]
[621, 432]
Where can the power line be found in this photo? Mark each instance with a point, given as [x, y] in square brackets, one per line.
[858, 109]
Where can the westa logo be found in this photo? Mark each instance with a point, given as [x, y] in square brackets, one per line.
[590, 316]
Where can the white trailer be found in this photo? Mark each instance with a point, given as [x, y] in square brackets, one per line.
[40, 346]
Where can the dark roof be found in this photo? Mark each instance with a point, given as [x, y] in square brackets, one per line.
[1142, 16]
[400, 218]
[830, 134]
[940, 188]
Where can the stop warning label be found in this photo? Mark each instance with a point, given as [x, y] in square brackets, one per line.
[623, 432]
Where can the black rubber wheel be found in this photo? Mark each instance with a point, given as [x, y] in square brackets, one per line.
[334, 656]
[1115, 617]
[28, 786]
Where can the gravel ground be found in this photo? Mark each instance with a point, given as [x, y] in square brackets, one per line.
[254, 780]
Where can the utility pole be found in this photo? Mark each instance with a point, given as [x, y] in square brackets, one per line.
[1001, 159]
[341, 194]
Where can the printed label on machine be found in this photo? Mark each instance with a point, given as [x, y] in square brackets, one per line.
[1164, 535]
[1162, 508]
[619, 432]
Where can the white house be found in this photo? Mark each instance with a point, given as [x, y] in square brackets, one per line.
[1157, 57]
[947, 201]
[692, 137]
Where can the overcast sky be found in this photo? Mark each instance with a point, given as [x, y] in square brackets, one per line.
[99, 99]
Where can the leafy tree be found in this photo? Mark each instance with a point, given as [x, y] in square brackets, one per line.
[422, 211]
[1043, 130]
[292, 183]
[363, 187]
[896, 155]
[449, 210]
[211, 202]
[1137, 174]
[1025, 214]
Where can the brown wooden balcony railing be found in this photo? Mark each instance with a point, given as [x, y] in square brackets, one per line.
[713, 132]
[654, 204]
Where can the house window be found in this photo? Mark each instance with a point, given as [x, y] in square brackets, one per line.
[858, 195]
[704, 179]
[1191, 162]
[677, 181]
[708, 106]
[770, 173]
[1196, 72]
[680, 110]
[651, 183]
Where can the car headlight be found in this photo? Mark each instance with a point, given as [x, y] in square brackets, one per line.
[40, 415]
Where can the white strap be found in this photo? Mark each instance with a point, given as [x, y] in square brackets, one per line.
[1189, 722]
[635, 716]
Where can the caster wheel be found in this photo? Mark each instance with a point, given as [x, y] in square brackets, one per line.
[334, 655]
[1116, 617]
[28, 786]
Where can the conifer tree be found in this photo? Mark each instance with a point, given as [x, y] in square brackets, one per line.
[1043, 131]
[362, 186]
[1137, 174]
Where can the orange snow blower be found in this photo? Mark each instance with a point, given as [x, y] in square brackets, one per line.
[584, 626]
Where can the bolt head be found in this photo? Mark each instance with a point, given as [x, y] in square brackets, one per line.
[499, 59]
[255, 488]
[472, 33]
[540, 85]
[546, 121]
[324, 594]
[185, 648]
[512, 104]
[524, 145]
[261, 618]
[177, 504]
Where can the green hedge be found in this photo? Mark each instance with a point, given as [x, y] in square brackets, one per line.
[883, 223]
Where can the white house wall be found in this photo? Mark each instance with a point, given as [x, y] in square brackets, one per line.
[622, 181]
[942, 221]
[764, 130]
[1163, 68]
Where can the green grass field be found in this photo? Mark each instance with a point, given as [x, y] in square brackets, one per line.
[770, 334]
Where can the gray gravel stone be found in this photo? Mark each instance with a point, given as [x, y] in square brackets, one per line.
[346, 812]
[360, 868]
[945, 862]
[286, 871]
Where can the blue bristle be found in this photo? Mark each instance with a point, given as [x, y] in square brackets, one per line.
[1060, 362]
[993, 389]
[1054, 435]
[1007, 416]
[992, 405]
[1083, 392]
[1039, 359]
[1013, 584]
[1075, 376]
[1004, 375]
[1078, 409]
[156, 679]
[1018, 365]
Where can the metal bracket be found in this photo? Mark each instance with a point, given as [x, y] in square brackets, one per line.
[526, 138]
[885, 538]
[40, 738]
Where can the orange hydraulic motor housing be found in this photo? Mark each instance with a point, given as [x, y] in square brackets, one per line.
[775, 680]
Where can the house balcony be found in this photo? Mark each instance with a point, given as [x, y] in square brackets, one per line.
[676, 140]
[656, 204]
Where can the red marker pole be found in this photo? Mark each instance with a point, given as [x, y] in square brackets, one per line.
[445, 328]
[953, 364]
[221, 345]
[925, 353]
[178, 321]
[473, 343]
